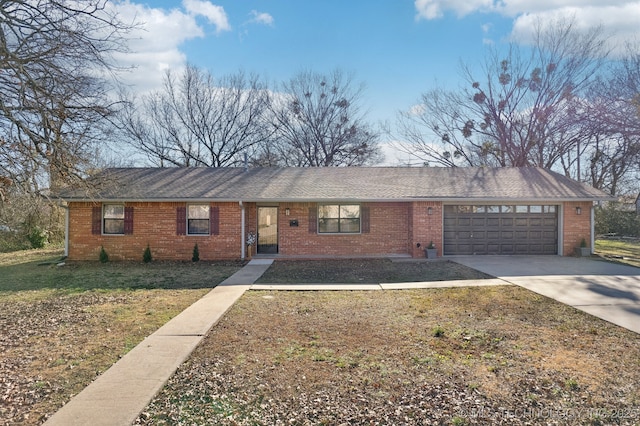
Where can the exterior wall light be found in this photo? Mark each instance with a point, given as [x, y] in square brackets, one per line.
[429, 211]
[287, 211]
[578, 210]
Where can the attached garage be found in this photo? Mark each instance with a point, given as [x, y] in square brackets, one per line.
[500, 229]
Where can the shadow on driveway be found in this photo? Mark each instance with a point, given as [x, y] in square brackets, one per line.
[607, 290]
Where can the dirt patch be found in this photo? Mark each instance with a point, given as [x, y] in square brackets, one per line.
[365, 271]
[490, 355]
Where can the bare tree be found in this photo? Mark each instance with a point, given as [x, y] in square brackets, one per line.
[318, 122]
[55, 73]
[521, 113]
[196, 120]
[612, 116]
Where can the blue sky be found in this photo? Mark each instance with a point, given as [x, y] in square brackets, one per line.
[397, 48]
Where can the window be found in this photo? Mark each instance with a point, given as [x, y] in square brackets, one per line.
[338, 218]
[198, 219]
[113, 219]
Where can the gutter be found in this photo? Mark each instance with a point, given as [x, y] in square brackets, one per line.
[444, 200]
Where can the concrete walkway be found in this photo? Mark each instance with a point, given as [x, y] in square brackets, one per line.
[119, 395]
[604, 289]
[381, 286]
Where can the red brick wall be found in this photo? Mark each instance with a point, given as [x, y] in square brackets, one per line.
[425, 227]
[395, 229]
[388, 235]
[153, 224]
[576, 227]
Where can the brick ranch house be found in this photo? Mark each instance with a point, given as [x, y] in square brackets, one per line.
[328, 212]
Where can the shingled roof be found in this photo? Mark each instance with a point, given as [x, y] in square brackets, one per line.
[334, 183]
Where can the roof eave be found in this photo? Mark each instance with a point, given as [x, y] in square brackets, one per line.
[446, 200]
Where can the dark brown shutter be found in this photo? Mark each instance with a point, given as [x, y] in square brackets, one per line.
[313, 220]
[96, 220]
[128, 220]
[365, 215]
[181, 221]
[214, 220]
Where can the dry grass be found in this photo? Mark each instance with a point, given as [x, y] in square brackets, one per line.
[60, 327]
[497, 355]
[624, 251]
[366, 271]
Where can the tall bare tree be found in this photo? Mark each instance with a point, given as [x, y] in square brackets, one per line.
[55, 73]
[319, 122]
[612, 117]
[520, 113]
[196, 120]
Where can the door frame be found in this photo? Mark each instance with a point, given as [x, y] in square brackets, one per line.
[277, 231]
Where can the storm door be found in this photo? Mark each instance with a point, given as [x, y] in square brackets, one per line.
[267, 230]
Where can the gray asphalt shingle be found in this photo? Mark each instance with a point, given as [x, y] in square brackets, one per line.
[334, 183]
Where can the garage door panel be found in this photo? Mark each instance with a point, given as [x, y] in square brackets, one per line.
[506, 230]
[506, 249]
[450, 221]
[449, 235]
[478, 222]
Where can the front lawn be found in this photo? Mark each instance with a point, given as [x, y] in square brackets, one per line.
[61, 326]
[373, 271]
[464, 356]
[621, 250]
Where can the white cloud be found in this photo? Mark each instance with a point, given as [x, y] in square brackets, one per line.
[154, 44]
[619, 17]
[261, 18]
[433, 9]
[618, 21]
[215, 14]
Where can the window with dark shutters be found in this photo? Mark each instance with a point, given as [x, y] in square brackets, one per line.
[113, 219]
[181, 221]
[96, 220]
[339, 219]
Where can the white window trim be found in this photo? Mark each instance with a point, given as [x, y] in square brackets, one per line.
[102, 219]
[208, 220]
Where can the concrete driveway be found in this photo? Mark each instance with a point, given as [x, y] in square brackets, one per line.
[602, 289]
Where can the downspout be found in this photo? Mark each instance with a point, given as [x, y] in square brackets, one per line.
[593, 229]
[242, 231]
[66, 230]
